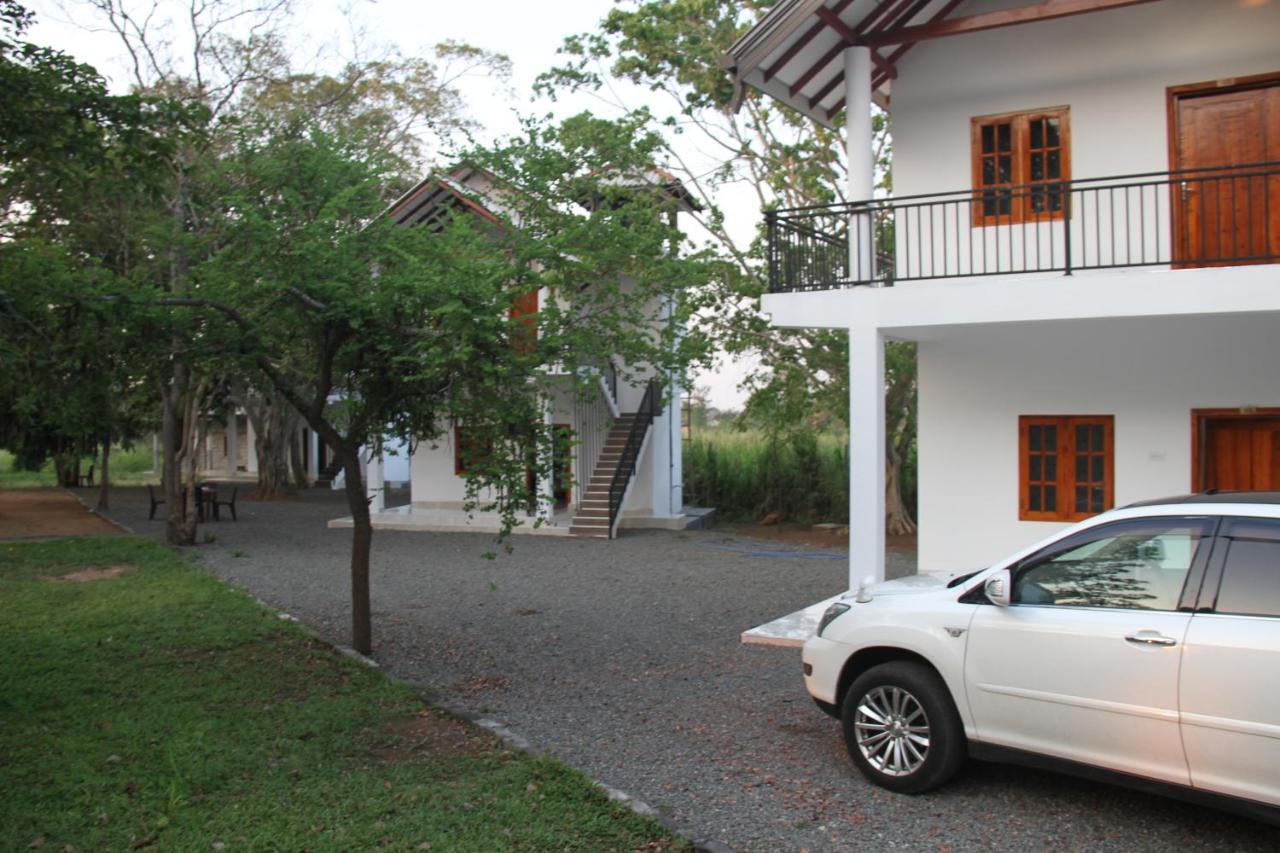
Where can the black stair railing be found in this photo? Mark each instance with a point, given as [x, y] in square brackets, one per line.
[631, 450]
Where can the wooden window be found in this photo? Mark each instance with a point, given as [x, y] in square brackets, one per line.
[524, 319]
[1021, 163]
[1066, 466]
[469, 450]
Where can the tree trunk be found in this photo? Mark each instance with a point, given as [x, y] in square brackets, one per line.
[897, 520]
[180, 433]
[171, 430]
[361, 545]
[66, 470]
[273, 422]
[298, 450]
[104, 480]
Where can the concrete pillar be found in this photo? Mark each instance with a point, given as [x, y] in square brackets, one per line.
[866, 455]
[251, 458]
[861, 184]
[676, 455]
[233, 437]
[314, 450]
[373, 484]
[545, 500]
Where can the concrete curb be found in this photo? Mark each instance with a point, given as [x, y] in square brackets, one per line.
[517, 741]
[93, 511]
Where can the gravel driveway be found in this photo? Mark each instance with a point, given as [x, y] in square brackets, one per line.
[623, 658]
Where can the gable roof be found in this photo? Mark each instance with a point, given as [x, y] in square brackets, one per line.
[435, 196]
[794, 53]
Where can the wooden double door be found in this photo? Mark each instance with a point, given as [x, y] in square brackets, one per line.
[1222, 216]
[1237, 452]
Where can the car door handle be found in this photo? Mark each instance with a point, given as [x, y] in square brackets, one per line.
[1151, 638]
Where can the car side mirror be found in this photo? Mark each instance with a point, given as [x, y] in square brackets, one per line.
[998, 587]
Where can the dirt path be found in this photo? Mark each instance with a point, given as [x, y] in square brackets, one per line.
[36, 513]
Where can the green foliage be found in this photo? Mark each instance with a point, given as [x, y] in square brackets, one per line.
[163, 708]
[802, 474]
[788, 160]
[130, 466]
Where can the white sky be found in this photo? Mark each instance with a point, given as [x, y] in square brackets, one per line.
[527, 32]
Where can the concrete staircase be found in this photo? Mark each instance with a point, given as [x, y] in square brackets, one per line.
[592, 520]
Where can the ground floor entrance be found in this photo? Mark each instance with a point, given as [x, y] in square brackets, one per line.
[1236, 449]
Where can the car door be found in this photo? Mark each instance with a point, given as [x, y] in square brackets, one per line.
[1230, 690]
[1083, 664]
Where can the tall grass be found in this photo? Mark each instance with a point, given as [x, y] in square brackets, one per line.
[128, 468]
[748, 475]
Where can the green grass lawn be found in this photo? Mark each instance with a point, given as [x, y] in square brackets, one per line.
[164, 709]
[128, 468]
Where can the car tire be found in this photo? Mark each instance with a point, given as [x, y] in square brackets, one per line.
[901, 727]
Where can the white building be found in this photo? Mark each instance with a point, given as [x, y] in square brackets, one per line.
[618, 463]
[1082, 243]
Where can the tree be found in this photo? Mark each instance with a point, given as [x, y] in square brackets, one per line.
[787, 160]
[80, 170]
[394, 108]
[322, 295]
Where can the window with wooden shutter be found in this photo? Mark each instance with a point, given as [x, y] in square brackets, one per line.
[1021, 166]
[1066, 466]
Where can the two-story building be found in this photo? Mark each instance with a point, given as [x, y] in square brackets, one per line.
[616, 460]
[1081, 240]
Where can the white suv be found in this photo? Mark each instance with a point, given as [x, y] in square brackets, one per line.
[1142, 645]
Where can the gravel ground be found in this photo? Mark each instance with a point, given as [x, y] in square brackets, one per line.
[623, 659]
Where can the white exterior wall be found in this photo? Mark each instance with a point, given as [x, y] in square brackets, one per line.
[1148, 373]
[1112, 70]
[432, 478]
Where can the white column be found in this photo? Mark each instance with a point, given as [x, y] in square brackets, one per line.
[866, 455]
[545, 500]
[857, 110]
[251, 438]
[373, 486]
[233, 452]
[676, 455]
[314, 449]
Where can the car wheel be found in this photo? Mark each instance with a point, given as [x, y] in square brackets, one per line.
[902, 728]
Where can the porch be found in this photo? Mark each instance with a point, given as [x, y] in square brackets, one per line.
[1220, 216]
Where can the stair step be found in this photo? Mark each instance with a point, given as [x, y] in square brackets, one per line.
[591, 533]
[587, 515]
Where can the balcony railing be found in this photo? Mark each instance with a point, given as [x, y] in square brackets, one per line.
[1191, 218]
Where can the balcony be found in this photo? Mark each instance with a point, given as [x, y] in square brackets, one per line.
[1224, 216]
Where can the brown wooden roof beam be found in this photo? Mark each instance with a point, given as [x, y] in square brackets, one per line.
[1043, 11]
[803, 79]
[878, 80]
[804, 40]
[851, 38]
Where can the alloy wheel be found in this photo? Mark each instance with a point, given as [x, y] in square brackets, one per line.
[892, 731]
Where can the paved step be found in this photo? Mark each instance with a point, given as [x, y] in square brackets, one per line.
[592, 518]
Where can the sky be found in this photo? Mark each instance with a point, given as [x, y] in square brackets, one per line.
[529, 33]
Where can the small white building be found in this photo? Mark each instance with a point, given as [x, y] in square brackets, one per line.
[617, 462]
[1082, 241]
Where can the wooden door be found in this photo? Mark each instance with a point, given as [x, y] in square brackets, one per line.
[1225, 217]
[1241, 453]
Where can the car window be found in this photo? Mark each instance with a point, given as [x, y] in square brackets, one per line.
[1134, 565]
[1251, 572]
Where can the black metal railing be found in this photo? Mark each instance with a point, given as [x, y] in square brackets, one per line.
[1197, 217]
[644, 416]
